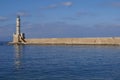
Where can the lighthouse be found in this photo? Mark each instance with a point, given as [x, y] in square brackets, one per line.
[18, 37]
[18, 25]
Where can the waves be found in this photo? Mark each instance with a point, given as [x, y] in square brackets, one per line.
[3, 43]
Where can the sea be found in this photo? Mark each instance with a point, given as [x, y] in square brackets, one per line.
[59, 62]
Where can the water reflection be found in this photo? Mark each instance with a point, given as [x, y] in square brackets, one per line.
[18, 56]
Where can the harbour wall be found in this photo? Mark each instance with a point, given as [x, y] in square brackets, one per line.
[75, 41]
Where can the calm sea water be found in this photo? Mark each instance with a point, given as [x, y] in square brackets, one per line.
[35, 62]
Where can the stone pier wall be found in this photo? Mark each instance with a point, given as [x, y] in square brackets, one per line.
[76, 41]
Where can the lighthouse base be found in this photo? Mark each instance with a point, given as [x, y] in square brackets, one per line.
[18, 38]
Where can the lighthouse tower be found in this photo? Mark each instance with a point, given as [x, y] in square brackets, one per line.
[18, 37]
[18, 25]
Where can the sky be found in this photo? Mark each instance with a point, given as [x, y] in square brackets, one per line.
[60, 18]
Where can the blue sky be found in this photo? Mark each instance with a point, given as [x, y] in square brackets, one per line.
[60, 18]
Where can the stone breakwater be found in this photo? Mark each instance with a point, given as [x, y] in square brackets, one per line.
[75, 41]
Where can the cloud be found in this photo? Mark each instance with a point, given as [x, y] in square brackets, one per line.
[52, 6]
[2, 18]
[111, 4]
[7, 30]
[26, 25]
[62, 29]
[83, 13]
[115, 4]
[67, 3]
[24, 14]
[49, 6]
[70, 18]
